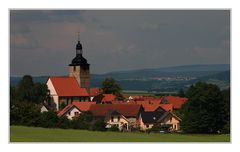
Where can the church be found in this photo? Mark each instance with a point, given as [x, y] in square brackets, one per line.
[63, 90]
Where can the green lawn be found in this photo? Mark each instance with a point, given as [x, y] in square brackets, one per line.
[32, 134]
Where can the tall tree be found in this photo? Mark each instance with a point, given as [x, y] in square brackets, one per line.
[204, 112]
[111, 86]
[25, 91]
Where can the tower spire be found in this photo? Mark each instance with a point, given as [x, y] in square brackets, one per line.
[78, 34]
[78, 46]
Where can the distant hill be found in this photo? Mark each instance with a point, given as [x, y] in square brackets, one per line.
[159, 79]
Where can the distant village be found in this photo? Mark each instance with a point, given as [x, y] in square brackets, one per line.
[72, 95]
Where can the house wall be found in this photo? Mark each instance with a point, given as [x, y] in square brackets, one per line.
[172, 121]
[43, 109]
[144, 126]
[115, 121]
[132, 121]
[71, 113]
[53, 94]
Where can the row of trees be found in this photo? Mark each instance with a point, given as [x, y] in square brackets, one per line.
[29, 92]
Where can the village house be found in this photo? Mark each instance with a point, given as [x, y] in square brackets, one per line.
[130, 113]
[75, 109]
[94, 92]
[148, 119]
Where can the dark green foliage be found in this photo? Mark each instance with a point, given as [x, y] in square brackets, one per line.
[113, 128]
[49, 119]
[99, 125]
[110, 86]
[204, 112]
[27, 91]
[159, 127]
[83, 121]
[226, 100]
[62, 105]
[23, 114]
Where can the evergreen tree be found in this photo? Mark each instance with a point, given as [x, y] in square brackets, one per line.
[204, 112]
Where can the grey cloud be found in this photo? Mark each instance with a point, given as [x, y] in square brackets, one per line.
[117, 40]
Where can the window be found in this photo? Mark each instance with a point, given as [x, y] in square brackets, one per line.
[147, 126]
[74, 68]
[112, 119]
[118, 118]
[170, 119]
[76, 113]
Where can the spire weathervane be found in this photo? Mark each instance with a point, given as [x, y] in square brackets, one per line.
[78, 36]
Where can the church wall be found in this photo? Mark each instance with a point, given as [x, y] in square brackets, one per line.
[53, 93]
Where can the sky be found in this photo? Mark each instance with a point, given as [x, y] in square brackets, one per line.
[42, 42]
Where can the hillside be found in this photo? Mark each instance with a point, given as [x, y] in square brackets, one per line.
[160, 79]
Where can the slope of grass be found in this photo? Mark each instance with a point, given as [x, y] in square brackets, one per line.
[33, 134]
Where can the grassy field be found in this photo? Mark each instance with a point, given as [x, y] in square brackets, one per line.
[32, 134]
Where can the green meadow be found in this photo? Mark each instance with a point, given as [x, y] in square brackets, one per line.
[34, 134]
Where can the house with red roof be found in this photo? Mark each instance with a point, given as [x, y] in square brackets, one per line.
[75, 109]
[94, 92]
[177, 102]
[104, 98]
[65, 90]
[128, 112]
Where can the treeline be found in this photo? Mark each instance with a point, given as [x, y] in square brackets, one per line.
[28, 114]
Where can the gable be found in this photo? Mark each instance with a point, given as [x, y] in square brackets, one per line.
[51, 87]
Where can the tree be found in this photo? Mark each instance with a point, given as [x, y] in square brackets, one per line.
[99, 125]
[110, 86]
[204, 112]
[83, 121]
[226, 100]
[25, 91]
[40, 93]
[28, 91]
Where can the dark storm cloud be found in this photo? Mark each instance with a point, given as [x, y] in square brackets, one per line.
[117, 40]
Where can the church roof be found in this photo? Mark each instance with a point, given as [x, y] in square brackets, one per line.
[79, 60]
[67, 86]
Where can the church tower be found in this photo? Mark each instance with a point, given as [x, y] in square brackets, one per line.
[79, 68]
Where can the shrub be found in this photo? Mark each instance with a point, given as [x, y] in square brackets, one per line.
[113, 128]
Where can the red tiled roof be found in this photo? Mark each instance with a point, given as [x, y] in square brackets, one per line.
[152, 105]
[82, 106]
[108, 97]
[126, 110]
[67, 86]
[177, 102]
[95, 91]
[104, 97]
[167, 107]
